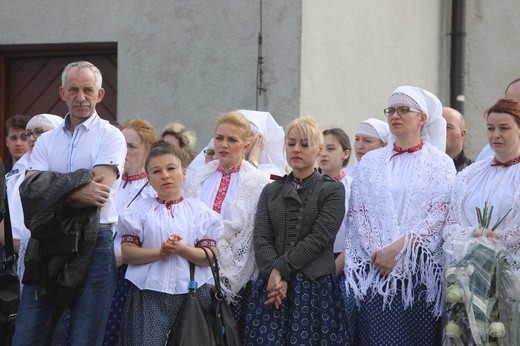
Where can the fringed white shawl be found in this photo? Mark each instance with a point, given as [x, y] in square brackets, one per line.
[235, 248]
[374, 224]
[461, 222]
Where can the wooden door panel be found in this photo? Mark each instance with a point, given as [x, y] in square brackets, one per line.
[30, 80]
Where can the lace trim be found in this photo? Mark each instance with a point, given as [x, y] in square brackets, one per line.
[373, 224]
[235, 246]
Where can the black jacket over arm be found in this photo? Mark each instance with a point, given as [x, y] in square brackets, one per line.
[62, 238]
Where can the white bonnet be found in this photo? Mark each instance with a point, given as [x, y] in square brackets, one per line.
[434, 130]
[44, 120]
[374, 128]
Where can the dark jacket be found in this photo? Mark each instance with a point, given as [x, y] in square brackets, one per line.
[461, 161]
[295, 230]
[62, 238]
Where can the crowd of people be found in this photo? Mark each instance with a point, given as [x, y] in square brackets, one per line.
[311, 251]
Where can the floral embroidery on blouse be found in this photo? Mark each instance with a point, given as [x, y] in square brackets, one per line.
[131, 239]
[223, 186]
[206, 243]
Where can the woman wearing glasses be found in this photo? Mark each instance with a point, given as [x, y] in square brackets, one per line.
[399, 201]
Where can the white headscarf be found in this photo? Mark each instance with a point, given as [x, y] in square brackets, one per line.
[273, 153]
[374, 128]
[44, 120]
[434, 130]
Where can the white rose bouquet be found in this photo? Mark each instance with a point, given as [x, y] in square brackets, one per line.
[483, 294]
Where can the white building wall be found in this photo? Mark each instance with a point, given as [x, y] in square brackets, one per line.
[355, 53]
[492, 61]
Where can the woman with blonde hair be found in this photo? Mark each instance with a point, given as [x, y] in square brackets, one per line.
[296, 298]
[231, 186]
[181, 138]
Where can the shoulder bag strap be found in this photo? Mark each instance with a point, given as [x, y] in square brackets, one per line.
[192, 285]
[137, 194]
[214, 266]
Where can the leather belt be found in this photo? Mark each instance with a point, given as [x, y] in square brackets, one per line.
[105, 226]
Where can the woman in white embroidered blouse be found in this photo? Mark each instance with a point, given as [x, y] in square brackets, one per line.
[231, 186]
[495, 180]
[398, 206]
[160, 235]
[139, 137]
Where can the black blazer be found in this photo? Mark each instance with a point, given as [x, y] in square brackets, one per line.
[295, 230]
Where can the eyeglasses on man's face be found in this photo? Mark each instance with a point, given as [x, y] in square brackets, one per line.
[27, 134]
[400, 110]
[209, 153]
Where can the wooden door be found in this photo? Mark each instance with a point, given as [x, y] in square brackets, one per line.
[30, 79]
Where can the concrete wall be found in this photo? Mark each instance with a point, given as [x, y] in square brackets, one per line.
[355, 53]
[335, 59]
[182, 60]
[492, 61]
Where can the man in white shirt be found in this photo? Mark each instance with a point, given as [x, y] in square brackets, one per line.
[83, 141]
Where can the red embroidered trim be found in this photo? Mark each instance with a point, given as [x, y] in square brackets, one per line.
[169, 204]
[126, 178]
[399, 150]
[223, 187]
[340, 176]
[275, 177]
[206, 243]
[131, 239]
[509, 163]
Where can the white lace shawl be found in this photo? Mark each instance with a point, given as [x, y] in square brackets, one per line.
[235, 248]
[373, 224]
[461, 226]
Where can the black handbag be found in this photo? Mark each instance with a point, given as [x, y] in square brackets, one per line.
[191, 326]
[9, 285]
[220, 316]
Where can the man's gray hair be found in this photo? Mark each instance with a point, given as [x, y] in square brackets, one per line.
[81, 65]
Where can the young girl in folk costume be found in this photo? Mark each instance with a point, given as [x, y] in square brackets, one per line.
[231, 186]
[334, 157]
[160, 235]
[398, 203]
[296, 298]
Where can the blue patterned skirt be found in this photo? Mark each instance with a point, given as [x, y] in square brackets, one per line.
[311, 314]
[397, 325]
[116, 308]
[148, 315]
